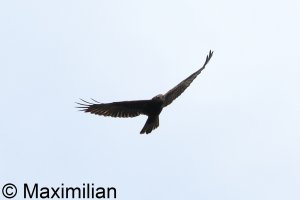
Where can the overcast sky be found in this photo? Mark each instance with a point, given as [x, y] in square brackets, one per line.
[234, 134]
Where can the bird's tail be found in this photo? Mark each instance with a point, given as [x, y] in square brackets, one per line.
[151, 124]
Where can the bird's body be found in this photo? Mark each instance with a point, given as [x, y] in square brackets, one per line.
[152, 108]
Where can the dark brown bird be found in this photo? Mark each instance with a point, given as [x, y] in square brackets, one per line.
[152, 108]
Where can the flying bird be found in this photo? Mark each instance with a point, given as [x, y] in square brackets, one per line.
[152, 108]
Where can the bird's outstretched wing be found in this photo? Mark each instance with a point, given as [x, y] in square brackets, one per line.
[115, 109]
[175, 92]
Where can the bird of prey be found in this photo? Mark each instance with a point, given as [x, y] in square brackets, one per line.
[152, 108]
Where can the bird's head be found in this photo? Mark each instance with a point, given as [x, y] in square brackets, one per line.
[159, 97]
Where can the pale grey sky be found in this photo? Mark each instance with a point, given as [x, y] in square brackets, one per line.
[234, 134]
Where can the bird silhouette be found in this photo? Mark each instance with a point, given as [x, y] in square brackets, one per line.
[152, 108]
